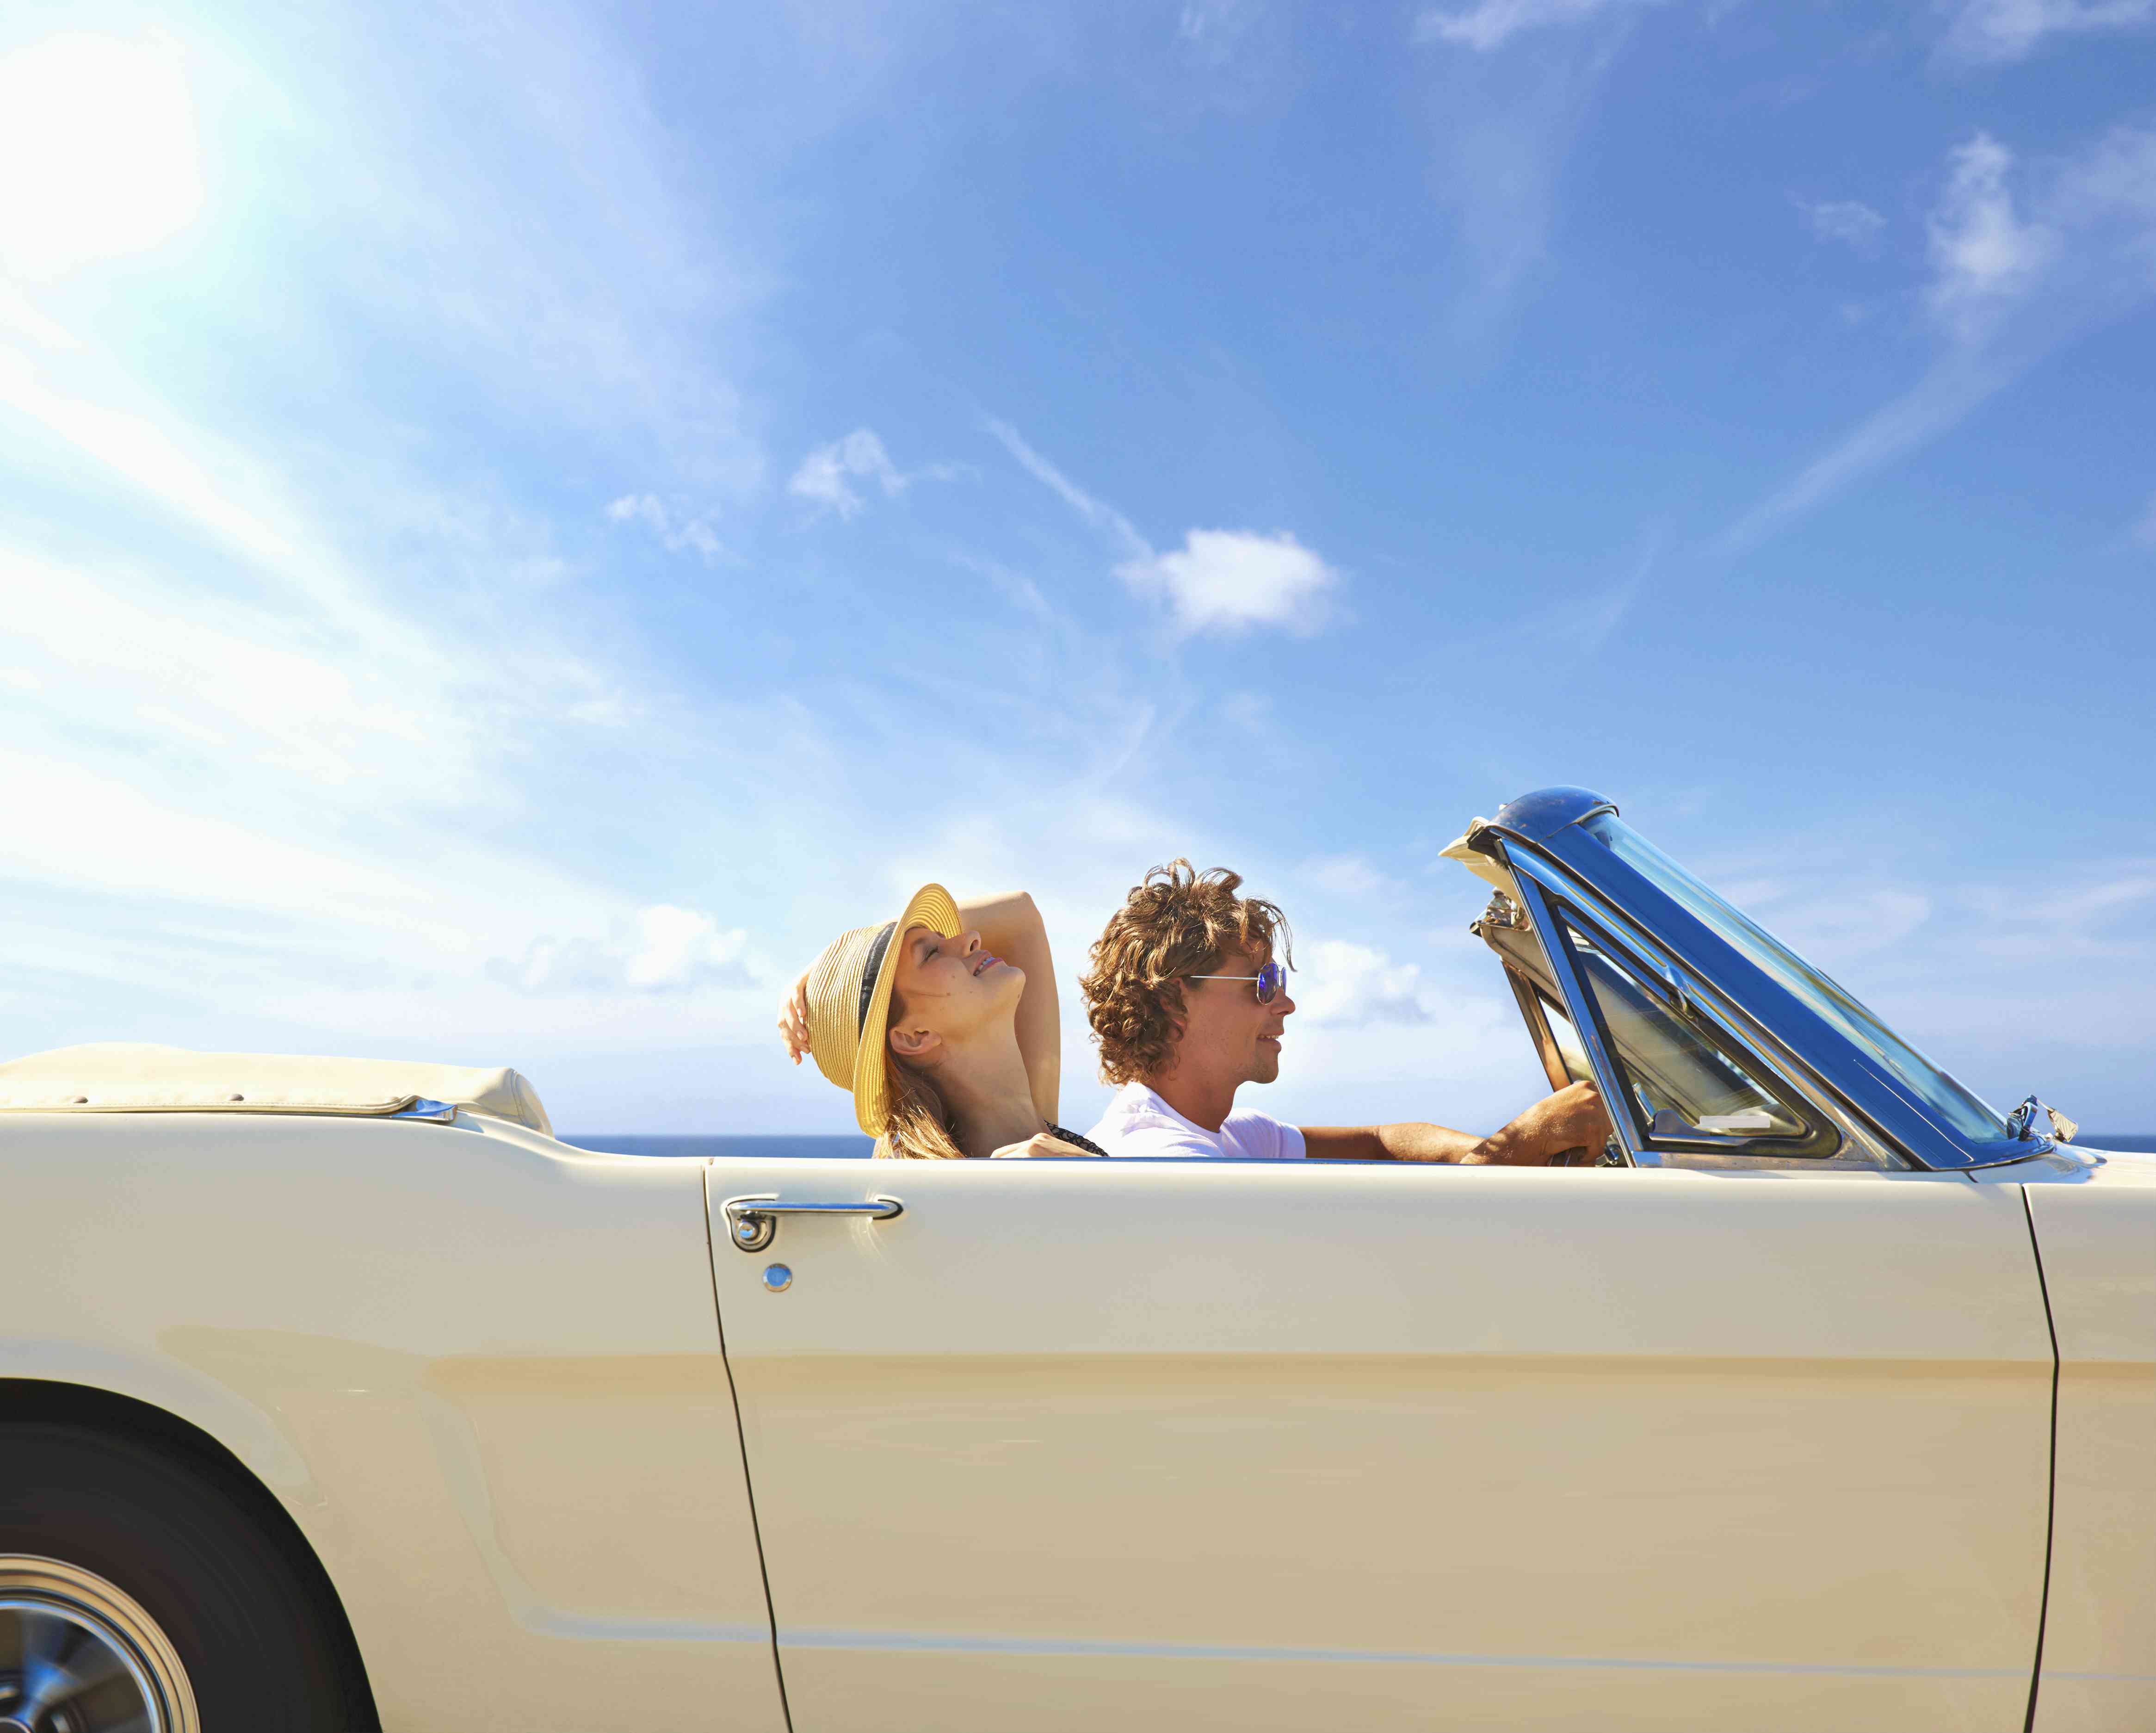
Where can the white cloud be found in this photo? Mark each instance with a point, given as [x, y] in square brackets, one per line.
[662, 949]
[2001, 30]
[827, 474]
[1229, 580]
[677, 533]
[1983, 256]
[1349, 876]
[98, 134]
[1350, 986]
[1492, 23]
[1847, 220]
[1219, 580]
[2144, 533]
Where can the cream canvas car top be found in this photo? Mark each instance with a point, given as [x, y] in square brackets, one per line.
[128, 1077]
[1493, 872]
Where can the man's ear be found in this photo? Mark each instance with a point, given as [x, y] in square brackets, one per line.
[921, 1047]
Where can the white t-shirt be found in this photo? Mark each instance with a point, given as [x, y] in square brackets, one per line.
[1139, 1122]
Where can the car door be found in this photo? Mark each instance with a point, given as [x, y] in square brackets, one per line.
[1278, 1445]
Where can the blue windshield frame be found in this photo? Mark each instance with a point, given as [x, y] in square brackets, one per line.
[1937, 1121]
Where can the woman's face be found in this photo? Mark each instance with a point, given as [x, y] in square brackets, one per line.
[950, 990]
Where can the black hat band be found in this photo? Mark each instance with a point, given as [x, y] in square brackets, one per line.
[868, 972]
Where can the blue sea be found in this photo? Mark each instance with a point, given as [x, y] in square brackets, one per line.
[855, 1148]
[729, 1148]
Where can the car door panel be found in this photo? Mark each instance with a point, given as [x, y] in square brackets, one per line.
[1274, 1442]
[2095, 1232]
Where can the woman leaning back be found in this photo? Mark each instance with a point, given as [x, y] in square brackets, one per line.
[943, 1027]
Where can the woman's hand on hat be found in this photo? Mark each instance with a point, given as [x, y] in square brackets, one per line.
[793, 1019]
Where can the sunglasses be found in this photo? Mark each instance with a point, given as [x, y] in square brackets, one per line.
[1271, 980]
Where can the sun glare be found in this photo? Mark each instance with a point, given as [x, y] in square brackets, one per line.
[98, 152]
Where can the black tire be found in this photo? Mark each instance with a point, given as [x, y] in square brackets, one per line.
[247, 1623]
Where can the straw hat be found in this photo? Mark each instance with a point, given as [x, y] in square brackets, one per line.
[849, 1001]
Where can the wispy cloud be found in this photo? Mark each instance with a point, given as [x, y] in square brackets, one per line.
[97, 832]
[1211, 25]
[1994, 31]
[140, 449]
[2144, 533]
[1230, 580]
[1985, 257]
[660, 950]
[222, 673]
[1103, 516]
[1350, 876]
[1502, 128]
[1352, 986]
[826, 476]
[2005, 289]
[1849, 221]
[677, 531]
[1492, 23]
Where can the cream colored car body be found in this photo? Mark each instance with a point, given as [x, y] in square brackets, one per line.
[1267, 1446]
[480, 1370]
[1150, 1445]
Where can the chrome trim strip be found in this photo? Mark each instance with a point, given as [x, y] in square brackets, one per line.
[1586, 1019]
[960, 1642]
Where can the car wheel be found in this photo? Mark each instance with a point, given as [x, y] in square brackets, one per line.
[139, 1595]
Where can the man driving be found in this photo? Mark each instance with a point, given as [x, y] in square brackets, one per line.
[1189, 1004]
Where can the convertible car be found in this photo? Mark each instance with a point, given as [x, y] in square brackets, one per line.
[335, 1393]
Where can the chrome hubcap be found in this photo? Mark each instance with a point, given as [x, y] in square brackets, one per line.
[78, 1654]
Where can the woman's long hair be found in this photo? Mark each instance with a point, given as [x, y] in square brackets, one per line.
[917, 1126]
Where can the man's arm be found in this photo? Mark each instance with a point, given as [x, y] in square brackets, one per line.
[1570, 1119]
[1408, 1141]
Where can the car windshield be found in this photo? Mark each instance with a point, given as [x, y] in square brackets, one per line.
[1956, 1108]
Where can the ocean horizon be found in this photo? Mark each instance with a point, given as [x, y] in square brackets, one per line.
[753, 1147]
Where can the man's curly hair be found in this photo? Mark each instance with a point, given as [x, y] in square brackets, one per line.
[1174, 924]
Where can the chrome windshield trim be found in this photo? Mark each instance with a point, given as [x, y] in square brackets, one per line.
[1570, 863]
[1701, 999]
[1586, 1021]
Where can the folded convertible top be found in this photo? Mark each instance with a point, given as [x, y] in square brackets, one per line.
[127, 1077]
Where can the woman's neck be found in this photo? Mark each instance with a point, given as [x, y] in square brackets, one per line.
[985, 1087]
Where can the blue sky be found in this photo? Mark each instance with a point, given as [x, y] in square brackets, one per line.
[517, 525]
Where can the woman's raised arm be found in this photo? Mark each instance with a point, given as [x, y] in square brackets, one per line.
[1011, 927]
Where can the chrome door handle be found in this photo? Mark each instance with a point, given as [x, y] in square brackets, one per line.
[752, 1223]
